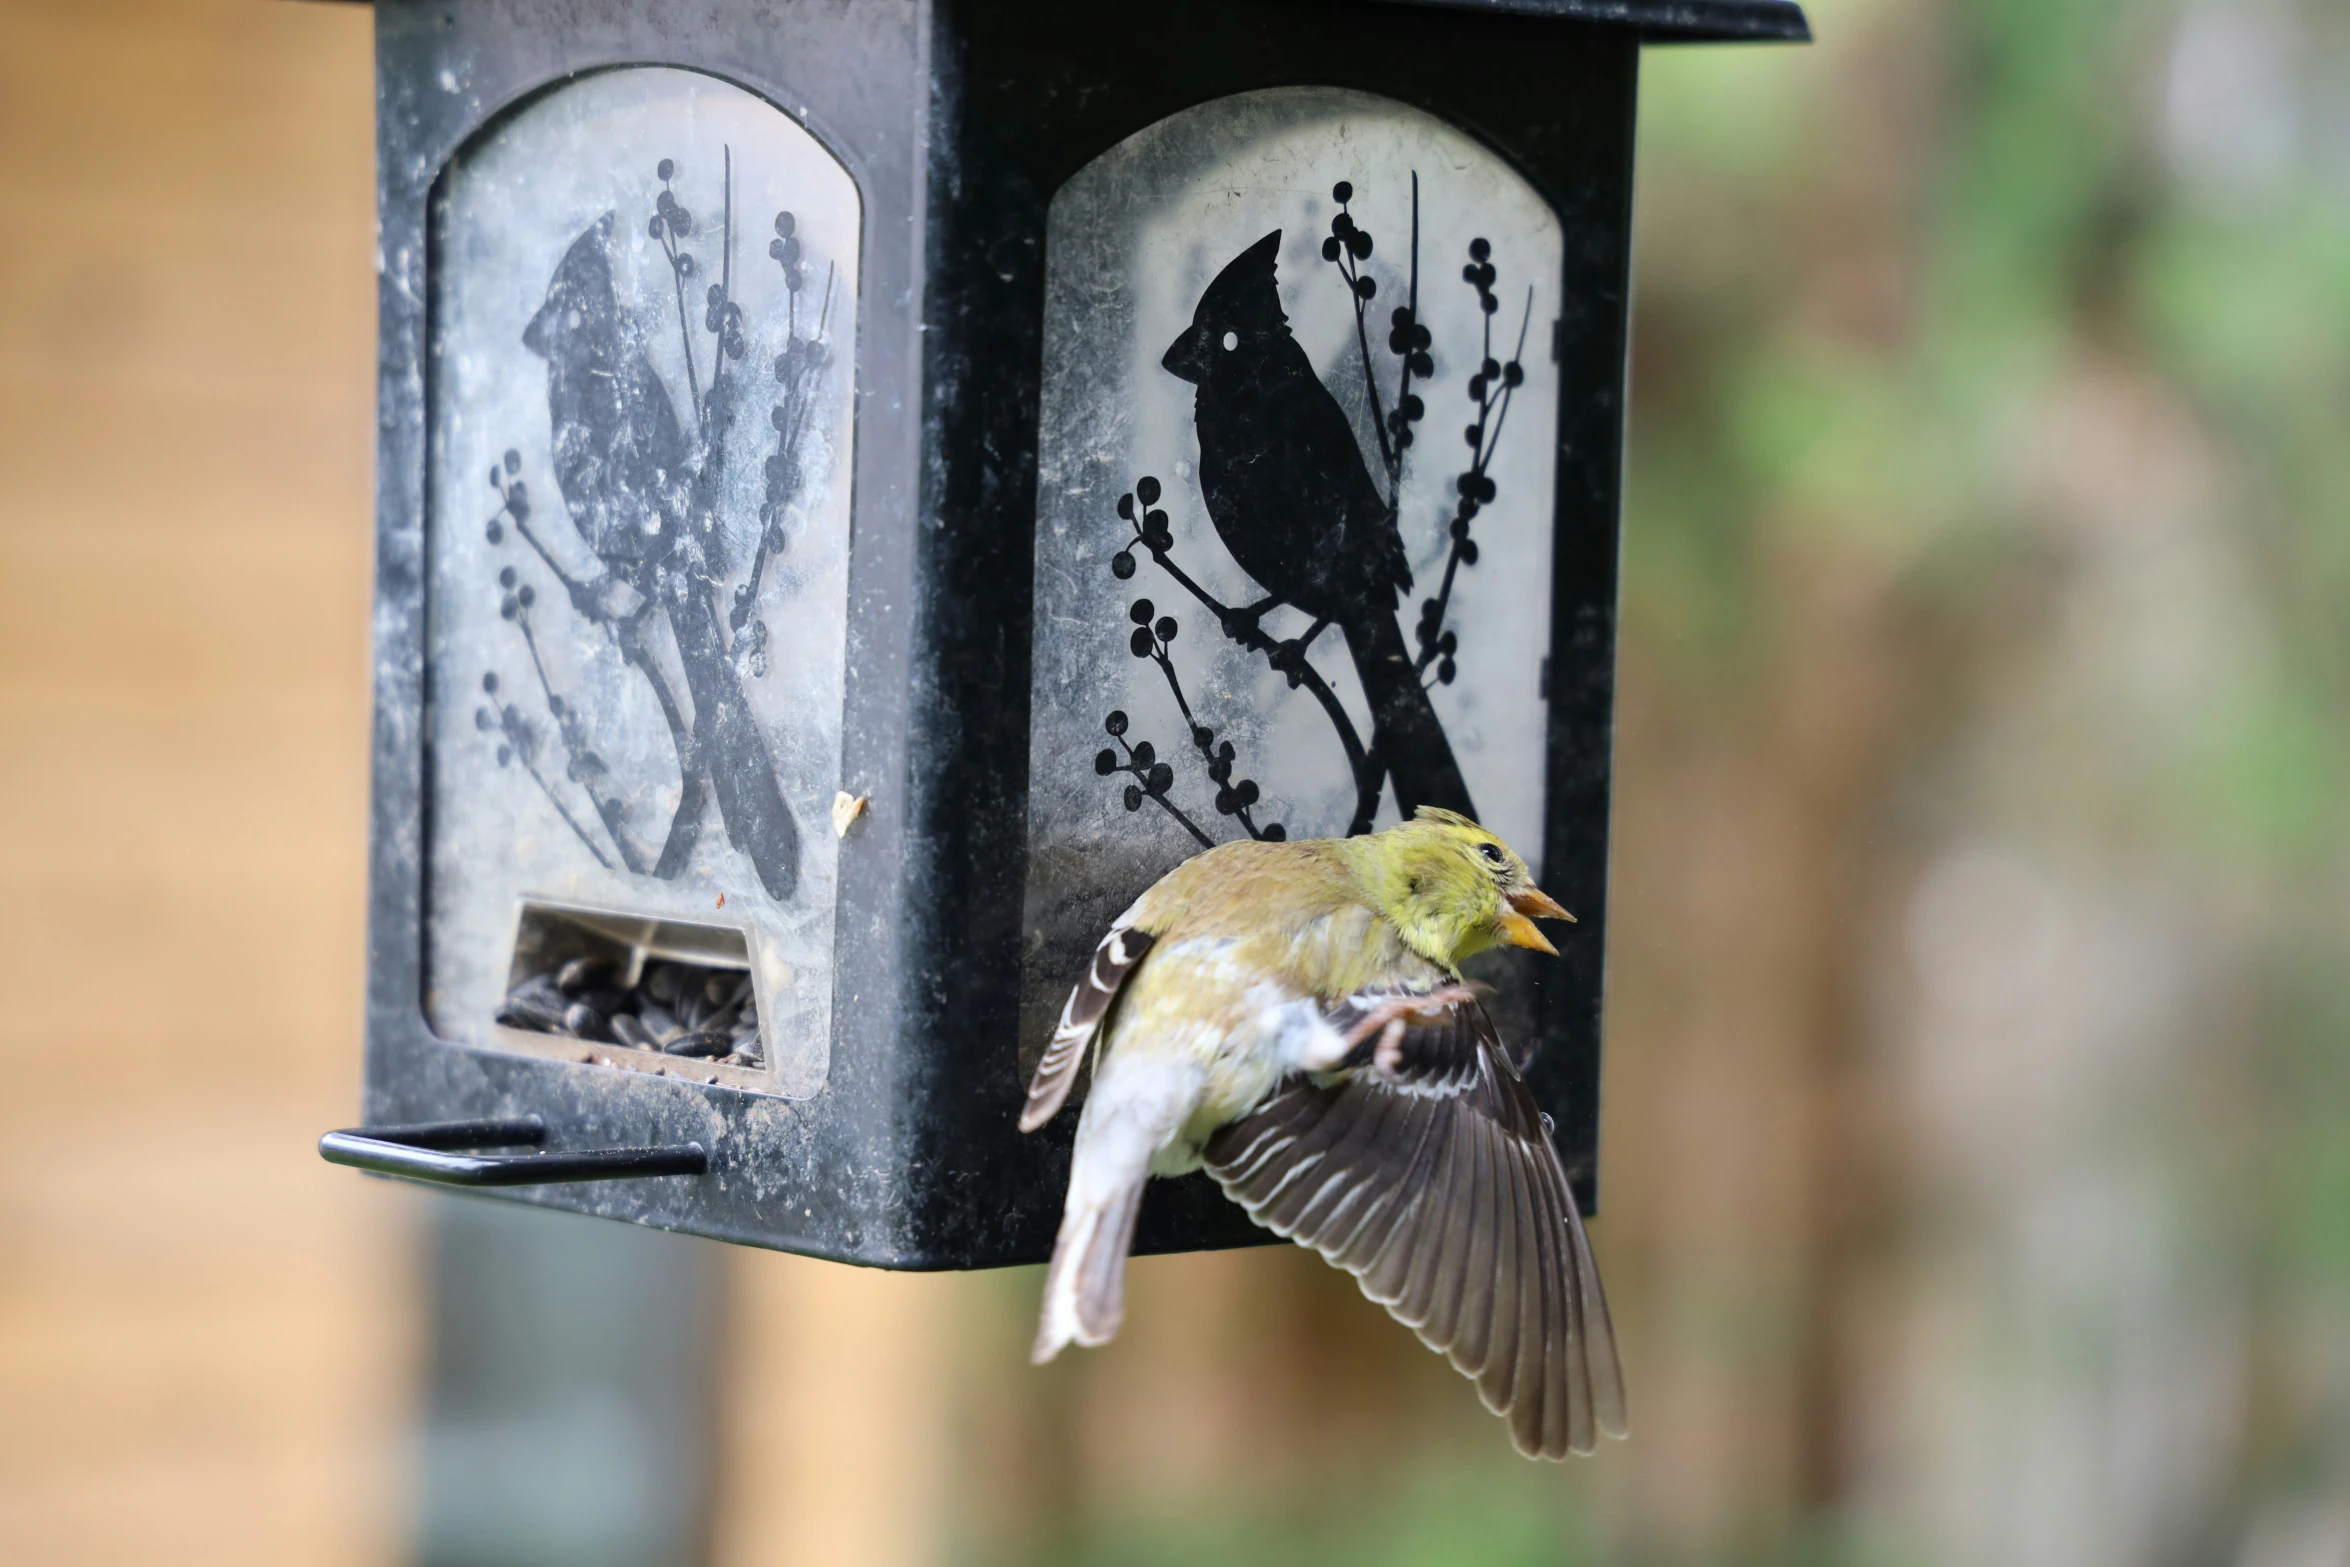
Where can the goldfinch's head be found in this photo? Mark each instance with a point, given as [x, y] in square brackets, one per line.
[1453, 889]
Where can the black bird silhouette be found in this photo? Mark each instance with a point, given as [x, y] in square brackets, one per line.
[627, 476]
[1286, 486]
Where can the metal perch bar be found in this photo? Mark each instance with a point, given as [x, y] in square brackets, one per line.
[435, 1151]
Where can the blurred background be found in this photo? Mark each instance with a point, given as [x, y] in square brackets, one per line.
[1977, 1134]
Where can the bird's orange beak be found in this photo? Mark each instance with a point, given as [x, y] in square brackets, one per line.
[1517, 925]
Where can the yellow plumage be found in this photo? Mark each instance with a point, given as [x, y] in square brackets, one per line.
[1263, 1000]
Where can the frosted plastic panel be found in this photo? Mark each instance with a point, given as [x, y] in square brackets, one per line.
[640, 406]
[1262, 606]
[1253, 607]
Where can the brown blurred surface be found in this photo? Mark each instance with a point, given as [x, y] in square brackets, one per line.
[205, 1339]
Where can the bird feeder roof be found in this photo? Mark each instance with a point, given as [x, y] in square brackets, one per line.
[1664, 21]
[1660, 21]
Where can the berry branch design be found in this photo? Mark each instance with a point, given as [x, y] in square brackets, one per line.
[1491, 389]
[1286, 486]
[1155, 535]
[647, 501]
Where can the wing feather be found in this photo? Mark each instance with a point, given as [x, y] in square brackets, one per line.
[1337, 1194]
[1371, 1252]
[1499, 1372]
[1081, 1019]
[1484, 1266]
[1427, 1173]
[1470, 1235]
[1427, 1238]
[1385, 1270]
[1565, 1390]
[1376, 1211]
[1541, 1317]
[1605, 1370]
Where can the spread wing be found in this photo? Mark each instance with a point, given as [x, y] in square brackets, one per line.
[1081, 1020]
[1430, 1177]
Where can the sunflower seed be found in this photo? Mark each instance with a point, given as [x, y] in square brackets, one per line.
[540, 989]
[521, 1011]
[583, 974]
[685, 1009]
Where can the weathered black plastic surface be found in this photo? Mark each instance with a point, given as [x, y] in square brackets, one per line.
[836, 1176]
[1663, 21]
[959, 122]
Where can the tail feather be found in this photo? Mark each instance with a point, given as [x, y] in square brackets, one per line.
[1130, 1117]
[1085, 1289]
[1405, 730]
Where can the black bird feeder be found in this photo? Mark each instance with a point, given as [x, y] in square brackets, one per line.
[865, 489]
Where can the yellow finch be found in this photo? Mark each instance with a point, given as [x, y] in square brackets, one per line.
[1291, 1016]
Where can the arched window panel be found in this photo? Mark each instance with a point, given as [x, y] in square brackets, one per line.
[1296, 499]
[639, 407]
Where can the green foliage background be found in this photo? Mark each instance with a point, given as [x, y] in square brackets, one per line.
[1988, 528]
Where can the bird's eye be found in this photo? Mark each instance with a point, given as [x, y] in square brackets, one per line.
[1231, 341]
[1491, 851]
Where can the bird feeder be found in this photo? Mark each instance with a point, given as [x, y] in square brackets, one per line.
[864, 490]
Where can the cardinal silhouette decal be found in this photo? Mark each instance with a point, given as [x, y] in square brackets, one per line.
[1291, 497]
[644, 495]
[624, 467]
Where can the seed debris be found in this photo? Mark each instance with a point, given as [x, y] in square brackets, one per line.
[846, 808]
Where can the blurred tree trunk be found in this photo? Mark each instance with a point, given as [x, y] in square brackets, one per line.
[1745, 1150]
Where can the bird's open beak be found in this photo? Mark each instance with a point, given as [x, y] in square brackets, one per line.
[1517, 925]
